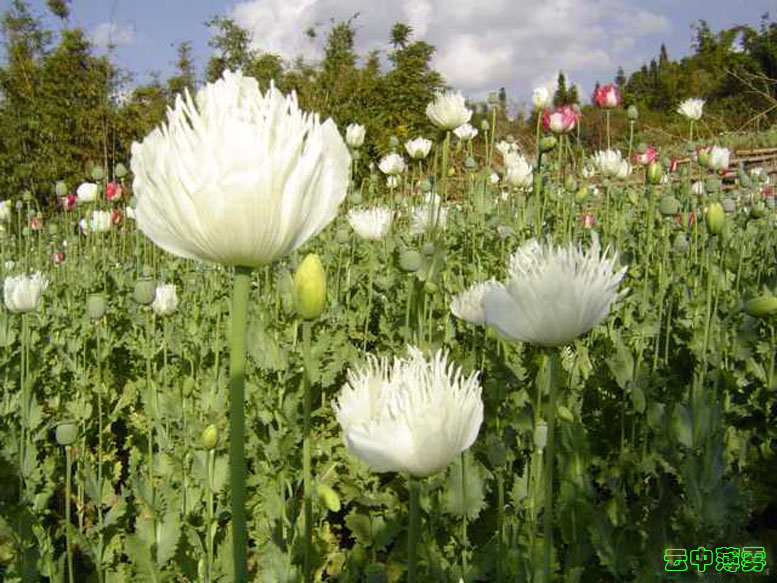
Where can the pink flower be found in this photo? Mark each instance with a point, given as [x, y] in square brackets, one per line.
[648, 157]
[116, 216]
[686, 220]
[36, 223]
[561, 120]
[607, 96]
[69, 201]
[58, 256]
[588, 220]
[673, 164]
[113, 191]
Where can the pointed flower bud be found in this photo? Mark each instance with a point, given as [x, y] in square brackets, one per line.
[310, 288]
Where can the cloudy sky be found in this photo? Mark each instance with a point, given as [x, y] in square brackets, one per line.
[481, 44]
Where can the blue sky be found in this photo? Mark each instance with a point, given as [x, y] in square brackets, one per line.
[481, 44]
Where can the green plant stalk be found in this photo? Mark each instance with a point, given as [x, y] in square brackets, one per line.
[371, 268]
[631, 138]
[536, 191]
[210, 532]
[414, 531]
[307, 474]
[98, 502]
[237, 462]
[537, 134]
[607, 117]
[463, 517]
[550, 364]
[68, 478]
[500, 499]
[151, 422]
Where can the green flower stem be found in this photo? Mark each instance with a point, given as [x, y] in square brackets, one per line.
[98, 502]
[371, 269]
[68, 478]
[152, 420]
[306, 470]
[210, 533]
[607, 117]
[414, 532]
[443, 181]
[550, 362]
[536, 192]
[463, 517]
[537, 133]
[500, 501]
[631, 137]
[237, 462]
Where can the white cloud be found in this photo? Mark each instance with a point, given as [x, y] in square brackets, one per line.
[481, 44]
[110, 32]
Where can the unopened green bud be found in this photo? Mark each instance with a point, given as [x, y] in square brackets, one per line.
[668, 205]
[761, 306]
[61, 188]
[470, 163]
[210, 437]
[120, 171]
[728, 205]
[98, 173]
[484, 125]
[704, 157]
[66, 433]
[430, 287]
[757, 210]
[565, 414]
[632, 112]
[547, 143]
[716, 218]
[356, 154]
[329, 497]
[394, 142]
[310, 288]
[582, 193]
[96, 305]
[410, 260]
[27, 196]
[428, 249]
[570, 183]
[654, 173]
[145, 291]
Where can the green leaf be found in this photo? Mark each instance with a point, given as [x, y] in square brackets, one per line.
[474, 491]
[167, 534]
[681, 425]
[140, 556]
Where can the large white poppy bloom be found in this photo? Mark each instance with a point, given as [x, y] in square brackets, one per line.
[371, 224]
[468, 305]
[239, 177]
[448, 111]
[415, 416]
[553, 295]
[22, 293]
[691, 108]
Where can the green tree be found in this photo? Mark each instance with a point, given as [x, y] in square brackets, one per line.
[185, 77]
[560, 96]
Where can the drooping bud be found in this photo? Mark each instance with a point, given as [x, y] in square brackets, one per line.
[716, 218]
[761, 306]
[310, 288]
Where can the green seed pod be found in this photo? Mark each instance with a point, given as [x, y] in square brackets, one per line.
[52, 229]
[761, 306]
[570, 184]
[188, 386]
[680, 243]
[210, 437]
[496, 453]
[66, 433]
[654, 173]
[61, 188]
[564, 414]
[633, 113]
[310, 288]
[430, 287]
[728, 205]
[329, 497]
[356, 198]
[96, 305]
[428, 249]
[426, 186]
[145, 291]
[712, 184]
[120, 171]
[410, 260]
[547, 144]
[668, 205]
[356, 154]
[582, 193]
[470, 163]
[98, 173]
[342, 236]
[716, 218]
[484, 125]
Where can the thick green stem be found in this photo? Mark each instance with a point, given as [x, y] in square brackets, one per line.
[306, 351]
[550, 364]
[463, 517]
[237, 462]
[414, 531]
[68, 470]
